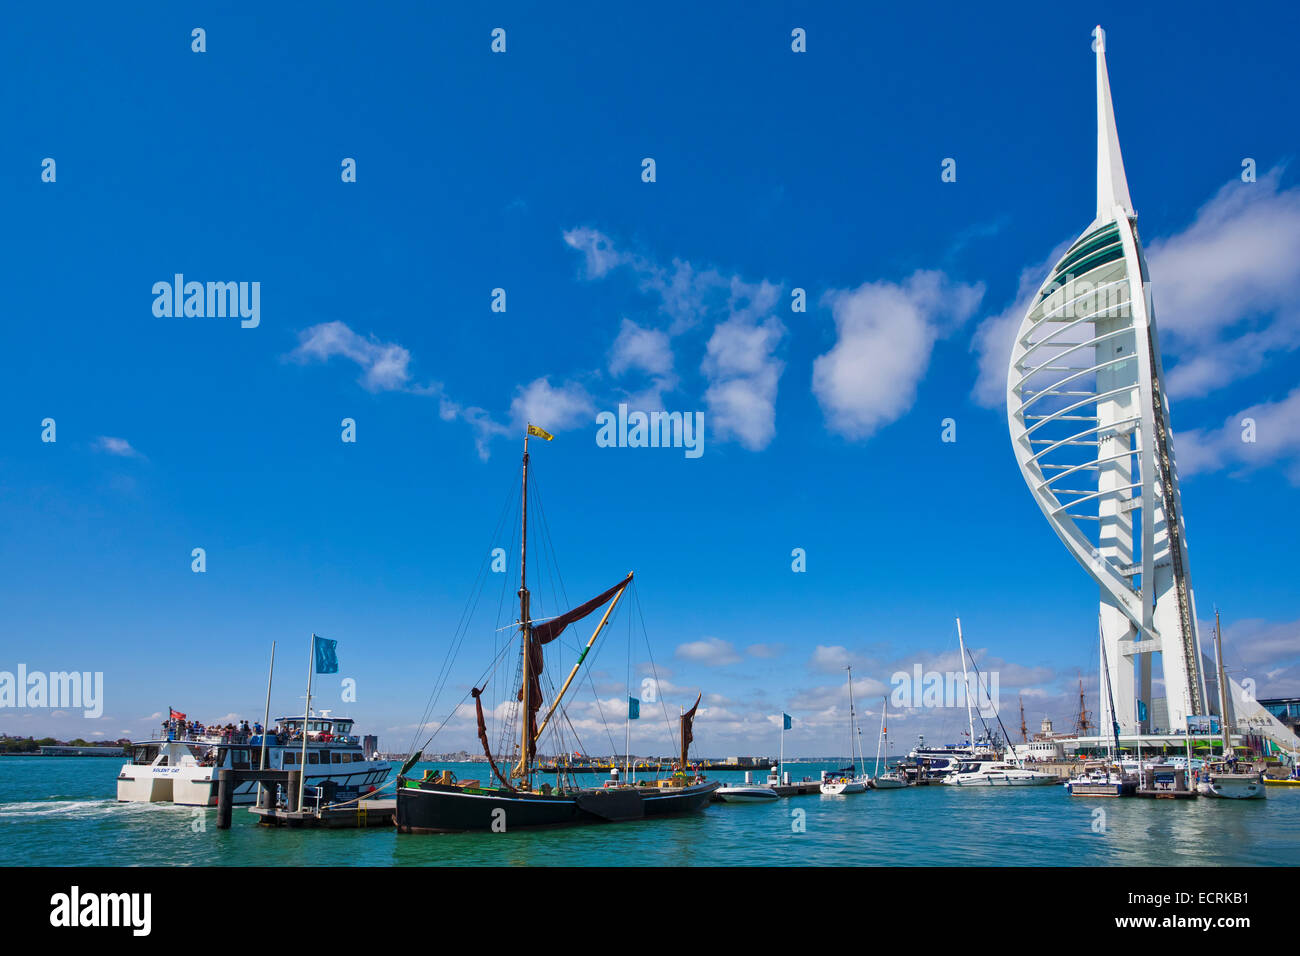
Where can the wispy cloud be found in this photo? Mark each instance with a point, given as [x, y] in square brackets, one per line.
[385, 366]
[741, 368]
[1262, 434]
[116, 446]
[1227, 288]
[712, 651]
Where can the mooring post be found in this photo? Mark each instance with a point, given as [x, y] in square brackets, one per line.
[225, 798]
[291, 791]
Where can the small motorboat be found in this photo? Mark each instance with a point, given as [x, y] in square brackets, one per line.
[745, 793]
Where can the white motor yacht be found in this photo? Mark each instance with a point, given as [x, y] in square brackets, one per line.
[996, 773]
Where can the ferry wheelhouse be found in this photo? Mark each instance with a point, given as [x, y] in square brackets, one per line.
[183, 767]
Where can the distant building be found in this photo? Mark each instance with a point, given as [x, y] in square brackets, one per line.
[1285, 709]
[67, 751]
[369, 744]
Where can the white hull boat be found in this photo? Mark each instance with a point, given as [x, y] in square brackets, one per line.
[745, 793]
[890, 781]
[844, 785]
[1233, 786]
[998, 774]
[185, 768]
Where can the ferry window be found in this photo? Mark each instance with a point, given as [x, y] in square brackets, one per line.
[313, 757]
[290, 757]
[336, 758]
[345, 758]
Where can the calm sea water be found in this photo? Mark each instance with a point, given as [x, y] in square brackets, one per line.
[62, 812]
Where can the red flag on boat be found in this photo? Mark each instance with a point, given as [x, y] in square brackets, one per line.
[176, 714]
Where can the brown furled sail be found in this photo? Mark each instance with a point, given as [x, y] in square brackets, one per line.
[544, 633]
[688, 721]
[482, 736]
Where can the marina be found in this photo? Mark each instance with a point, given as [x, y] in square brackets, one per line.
[601, 676]
[927, 826]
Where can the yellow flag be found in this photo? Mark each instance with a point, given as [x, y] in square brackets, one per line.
[540, 432]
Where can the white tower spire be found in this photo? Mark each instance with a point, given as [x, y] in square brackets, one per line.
[1089, 423]
[1112, 186]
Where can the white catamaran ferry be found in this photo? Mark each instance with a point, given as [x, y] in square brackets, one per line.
[183, 766]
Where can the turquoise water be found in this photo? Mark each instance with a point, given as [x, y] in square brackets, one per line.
[62, 812]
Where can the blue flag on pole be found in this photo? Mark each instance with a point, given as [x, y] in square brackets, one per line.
[785, 719]
[633, 708]
[327, 661]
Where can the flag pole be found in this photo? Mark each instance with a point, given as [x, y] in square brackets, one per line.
[780, 762]
[266, 720]
[311, 667]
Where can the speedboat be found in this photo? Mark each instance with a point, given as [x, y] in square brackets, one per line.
[996, 773]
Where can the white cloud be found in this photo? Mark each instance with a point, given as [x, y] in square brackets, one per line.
[740, 366]
[597, 249]
[116, 446]
[1227, 288]
[743, 373]
[828, 659]
[712, 651]
[886, 332]
[385, 366]
[640, 349]
[1276, 440]
[553, 408]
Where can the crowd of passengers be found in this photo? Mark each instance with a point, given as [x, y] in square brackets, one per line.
[242, 733]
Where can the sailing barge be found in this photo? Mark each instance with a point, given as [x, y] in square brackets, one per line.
[440, 804]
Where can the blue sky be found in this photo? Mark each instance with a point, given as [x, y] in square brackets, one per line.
[522, 171]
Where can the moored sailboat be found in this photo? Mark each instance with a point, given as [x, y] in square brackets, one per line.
[894, 779]
[853, 779]
[442, 804]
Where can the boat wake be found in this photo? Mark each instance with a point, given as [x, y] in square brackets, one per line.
[78, 809]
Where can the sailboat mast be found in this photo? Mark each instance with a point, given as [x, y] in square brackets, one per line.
[852, 721]
[881, 736]
[1223, 687]
[965, 680]
[525, 633]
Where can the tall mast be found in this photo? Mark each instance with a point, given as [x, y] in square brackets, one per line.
[1223, 687]
[965, 680]
[852, 715]
[881, 736]
[525, 632]
[1024, 731]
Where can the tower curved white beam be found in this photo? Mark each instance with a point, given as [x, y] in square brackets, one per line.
[1089, 422]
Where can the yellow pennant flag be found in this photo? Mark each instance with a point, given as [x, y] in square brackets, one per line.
[540, 432]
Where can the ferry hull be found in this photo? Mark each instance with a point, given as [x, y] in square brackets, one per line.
[438, 808]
